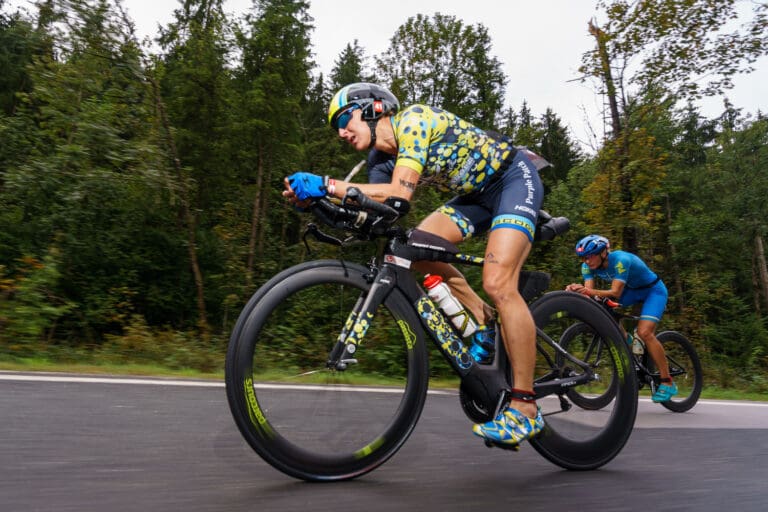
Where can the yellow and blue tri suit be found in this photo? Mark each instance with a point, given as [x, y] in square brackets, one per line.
[496, 185]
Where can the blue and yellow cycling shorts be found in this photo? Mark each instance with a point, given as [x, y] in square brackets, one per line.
[511, 201]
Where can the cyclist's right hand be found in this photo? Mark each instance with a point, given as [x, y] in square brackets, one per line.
[306, 185]
[291, 195]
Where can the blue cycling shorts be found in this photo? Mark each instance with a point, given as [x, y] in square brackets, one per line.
[654, 299]
[511, 201]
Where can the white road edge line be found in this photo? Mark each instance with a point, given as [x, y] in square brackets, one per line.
[217, 384]
[176, 382]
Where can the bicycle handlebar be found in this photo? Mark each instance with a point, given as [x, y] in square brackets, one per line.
[387, 212]
[366, 218]
[360, 214]
[614, 308]
[609, 303]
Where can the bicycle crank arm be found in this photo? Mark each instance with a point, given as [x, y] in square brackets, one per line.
[542, 389]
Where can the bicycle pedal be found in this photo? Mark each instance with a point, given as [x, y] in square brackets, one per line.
[511, 447]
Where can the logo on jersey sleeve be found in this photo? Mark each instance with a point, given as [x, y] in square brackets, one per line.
[620, 268]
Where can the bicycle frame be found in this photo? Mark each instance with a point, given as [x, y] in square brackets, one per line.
[640, 361]
[485, 384]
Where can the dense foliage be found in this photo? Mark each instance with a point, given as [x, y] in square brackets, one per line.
[140, 190]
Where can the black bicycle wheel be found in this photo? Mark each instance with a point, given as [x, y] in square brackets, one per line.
[685, 368]
[581, 341]
[576, 438]
[304, 419]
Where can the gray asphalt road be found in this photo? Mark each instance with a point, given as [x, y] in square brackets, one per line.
[120, 445]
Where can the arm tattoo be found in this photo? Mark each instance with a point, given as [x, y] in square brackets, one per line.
[408, 184]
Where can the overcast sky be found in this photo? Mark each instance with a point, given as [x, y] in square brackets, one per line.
[539, 43]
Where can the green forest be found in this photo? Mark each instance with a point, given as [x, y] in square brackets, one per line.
[140, 183]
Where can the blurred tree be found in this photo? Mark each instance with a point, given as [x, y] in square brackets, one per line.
[557, 146]
[349, 67]
[439, 61]
[17, 46]
[528, 131]
[193, 80]
[29, 304]
[272, 83]
[684, 45]
[719, 230]
[87, 173]
[676, 43]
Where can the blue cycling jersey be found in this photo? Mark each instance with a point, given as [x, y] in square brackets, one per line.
[641, 284]
[622, 266]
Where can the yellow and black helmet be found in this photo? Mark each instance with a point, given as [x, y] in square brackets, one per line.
[373, 100]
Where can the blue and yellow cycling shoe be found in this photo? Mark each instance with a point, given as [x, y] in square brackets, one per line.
[510, 428]
[664, 393]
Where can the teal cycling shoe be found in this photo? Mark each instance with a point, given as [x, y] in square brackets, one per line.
[510, 428]
[664, 393]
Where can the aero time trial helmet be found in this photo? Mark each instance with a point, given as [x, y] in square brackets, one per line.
[591, 244]
[373, 100]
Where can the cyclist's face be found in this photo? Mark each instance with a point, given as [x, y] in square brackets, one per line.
[593, 261]
[356, 131]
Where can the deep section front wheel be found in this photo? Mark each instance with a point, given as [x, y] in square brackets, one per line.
[573, 437]
[305, 419]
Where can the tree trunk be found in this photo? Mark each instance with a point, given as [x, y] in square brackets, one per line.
[188, 217]
[265, 204]
[283, 237]
[255, 217]
[762, 269]
[610, 86]
[628, 233]
[672, 253]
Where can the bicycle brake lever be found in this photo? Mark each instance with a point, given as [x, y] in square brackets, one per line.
[313, 230]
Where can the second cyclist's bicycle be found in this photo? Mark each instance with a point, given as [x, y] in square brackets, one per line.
[683, 360]
[327, 366]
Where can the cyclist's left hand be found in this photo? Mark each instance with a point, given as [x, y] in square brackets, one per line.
[306, 185]
[578, 288]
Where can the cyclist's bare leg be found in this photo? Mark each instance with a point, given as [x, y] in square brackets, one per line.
[646, 329]
[505, 254]
[440, 224]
